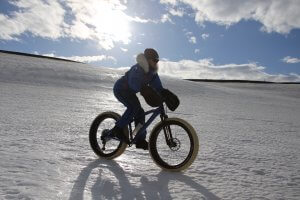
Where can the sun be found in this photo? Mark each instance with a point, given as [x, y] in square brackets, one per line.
[117, 25]
[111, 22]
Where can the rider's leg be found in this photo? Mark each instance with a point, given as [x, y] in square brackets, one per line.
[134, 110]
[139, 118]
[133, 105]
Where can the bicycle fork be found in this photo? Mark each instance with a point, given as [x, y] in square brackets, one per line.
[168, 133]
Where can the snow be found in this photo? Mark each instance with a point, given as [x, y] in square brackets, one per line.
[249, 137]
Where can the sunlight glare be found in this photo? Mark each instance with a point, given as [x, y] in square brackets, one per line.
[113, 22]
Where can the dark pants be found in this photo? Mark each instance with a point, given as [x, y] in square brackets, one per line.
[134, 109]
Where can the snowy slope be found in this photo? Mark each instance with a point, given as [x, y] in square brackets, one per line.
[249, 138]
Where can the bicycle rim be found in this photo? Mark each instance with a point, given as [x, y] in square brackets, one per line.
[113, 148]
[181, 153]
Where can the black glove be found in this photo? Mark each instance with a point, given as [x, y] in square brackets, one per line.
[170, 99]
[151, 96]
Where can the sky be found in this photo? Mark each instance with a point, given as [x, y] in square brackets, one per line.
[213, 39]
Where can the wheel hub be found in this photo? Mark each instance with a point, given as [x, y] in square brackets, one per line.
[104, 134]
[174, 144]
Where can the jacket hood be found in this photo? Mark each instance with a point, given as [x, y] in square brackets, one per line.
[142, 61]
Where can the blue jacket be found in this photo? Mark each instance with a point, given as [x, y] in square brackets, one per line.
[133, 80]
[137, 76]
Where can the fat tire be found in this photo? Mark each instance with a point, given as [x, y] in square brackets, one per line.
[194, 144]
[93, 136]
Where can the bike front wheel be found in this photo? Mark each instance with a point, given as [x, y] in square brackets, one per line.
[173, 144]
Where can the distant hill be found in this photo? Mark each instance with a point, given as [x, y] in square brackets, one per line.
[240, 81]
[195, 80]
[37, 56]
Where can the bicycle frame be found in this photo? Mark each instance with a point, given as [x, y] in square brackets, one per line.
[142, 132]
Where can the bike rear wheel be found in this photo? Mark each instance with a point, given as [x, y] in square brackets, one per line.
[178, 150]
[113, 148]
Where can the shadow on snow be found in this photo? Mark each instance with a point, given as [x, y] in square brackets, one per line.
[148, 189]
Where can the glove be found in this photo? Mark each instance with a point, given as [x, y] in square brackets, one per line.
[170, 99]
[151, 96]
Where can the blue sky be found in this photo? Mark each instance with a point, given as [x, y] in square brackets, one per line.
[195, 39]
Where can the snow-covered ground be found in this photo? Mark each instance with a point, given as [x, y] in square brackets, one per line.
[249, 138]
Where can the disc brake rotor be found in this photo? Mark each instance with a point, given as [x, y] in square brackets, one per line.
[175, 144]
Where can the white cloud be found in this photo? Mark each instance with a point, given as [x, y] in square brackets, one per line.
[172, 2]
[275, 15]
[104, 22]
[197, 51]
[289, 59]
[205, 36]
[40, 18]
[191, 38]
[140, 20]
[124, 49]
[84, 59]
[50, 55]
[177, 12]
[166, 18]
[89, 59]
[206, 69]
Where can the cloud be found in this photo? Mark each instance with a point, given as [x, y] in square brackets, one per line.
[40, 18]
[172, 2]
[289, 59]
[84, 59]
[192, 39]
[275, 15]
[140, 20]
[177, 12]
[49, 55]
[206, 69]
[205, 36]
[197, 51]
[166, 18]
[124, 49]
[102, 21]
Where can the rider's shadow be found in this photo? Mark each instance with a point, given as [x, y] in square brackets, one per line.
[125, 190]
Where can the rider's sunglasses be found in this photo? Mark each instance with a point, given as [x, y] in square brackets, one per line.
[155, 60]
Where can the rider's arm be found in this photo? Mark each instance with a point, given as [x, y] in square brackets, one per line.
[156, 83]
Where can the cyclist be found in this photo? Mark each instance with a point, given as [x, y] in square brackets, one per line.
[144, 73]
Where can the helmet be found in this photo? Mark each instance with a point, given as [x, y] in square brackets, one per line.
[151, 54]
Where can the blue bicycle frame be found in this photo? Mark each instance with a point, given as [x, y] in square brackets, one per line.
[142, 132]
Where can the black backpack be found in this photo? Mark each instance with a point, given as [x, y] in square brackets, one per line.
[170, 99]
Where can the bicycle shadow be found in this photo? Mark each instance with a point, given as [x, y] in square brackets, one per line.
[148, 189]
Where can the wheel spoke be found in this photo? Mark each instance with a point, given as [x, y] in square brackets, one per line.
[112, 144]
[178, 153]
[101, 126]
